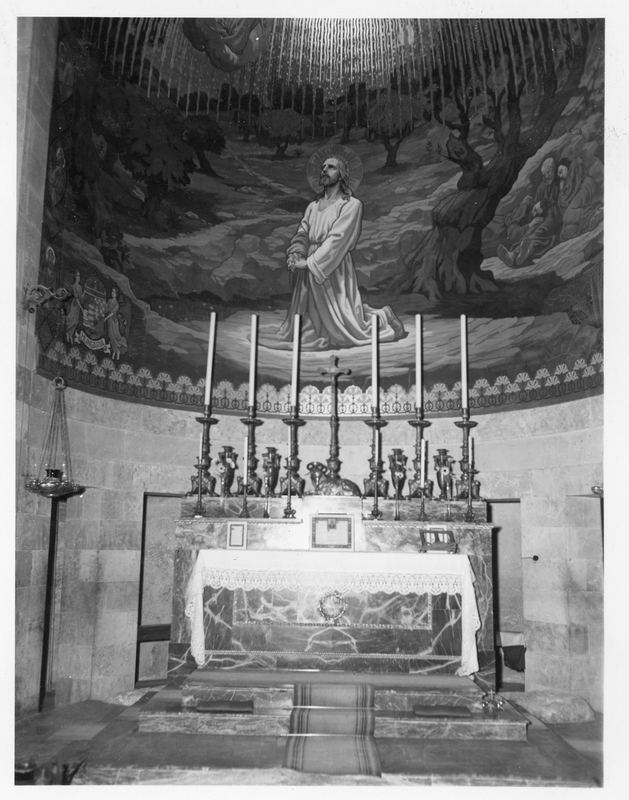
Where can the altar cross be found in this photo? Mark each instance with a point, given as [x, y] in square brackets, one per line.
[334, 371]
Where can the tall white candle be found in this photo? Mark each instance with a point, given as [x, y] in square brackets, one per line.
[374, 361]
[463, 361]
[419, 388]
[210, 359]
[252, 360]
[294, 376]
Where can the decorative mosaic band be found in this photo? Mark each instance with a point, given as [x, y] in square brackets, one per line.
[106, 376]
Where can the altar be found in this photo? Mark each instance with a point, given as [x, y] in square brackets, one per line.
[333, 589]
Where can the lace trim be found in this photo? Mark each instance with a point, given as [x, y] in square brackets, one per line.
[249, 579]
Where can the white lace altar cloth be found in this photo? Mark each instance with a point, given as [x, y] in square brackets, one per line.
[401, 573]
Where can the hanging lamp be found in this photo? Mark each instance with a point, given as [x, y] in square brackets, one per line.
[54, 477]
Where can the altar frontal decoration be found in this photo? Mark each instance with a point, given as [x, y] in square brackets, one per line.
[331, 577]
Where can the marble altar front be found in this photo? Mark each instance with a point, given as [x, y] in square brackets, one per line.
[402, 609]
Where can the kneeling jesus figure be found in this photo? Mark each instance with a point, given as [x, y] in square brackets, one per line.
[325, 291]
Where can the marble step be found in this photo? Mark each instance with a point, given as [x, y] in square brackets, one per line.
[166, 713]
[287, 678]
[272, 692]
[506, 725]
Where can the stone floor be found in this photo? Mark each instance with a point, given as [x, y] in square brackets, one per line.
[105, 739]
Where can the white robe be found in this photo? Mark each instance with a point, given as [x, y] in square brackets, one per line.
[326, 295]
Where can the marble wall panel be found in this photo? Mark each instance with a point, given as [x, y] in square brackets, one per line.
[183, 561]
[218, 610]
[446, 625]
[275, 622]
[180, 661]
[363, 663]
[329, 640]
[361, 608]
[153, 661]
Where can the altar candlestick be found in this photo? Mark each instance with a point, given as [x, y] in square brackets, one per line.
[245, 463]
[377, 449]
[470, 450]
[374, 361]
[252, 361]
[294, 378]
[463, 361]
[210, 359]
[422, 463]
[419, 388]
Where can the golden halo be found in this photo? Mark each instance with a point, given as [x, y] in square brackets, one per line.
[352, 159]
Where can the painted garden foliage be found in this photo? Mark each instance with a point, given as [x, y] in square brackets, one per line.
[184, 160]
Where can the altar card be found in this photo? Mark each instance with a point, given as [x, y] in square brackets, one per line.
[237, 535]
[332, 531]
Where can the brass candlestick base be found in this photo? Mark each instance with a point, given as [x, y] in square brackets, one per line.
[203, 483]
[293, 483]
[375, 485]
[250, 483]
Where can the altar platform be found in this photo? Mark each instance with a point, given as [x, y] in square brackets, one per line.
[103, 740]
[457, 703]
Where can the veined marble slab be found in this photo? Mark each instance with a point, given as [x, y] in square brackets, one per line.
[507, 724]
[226, 724]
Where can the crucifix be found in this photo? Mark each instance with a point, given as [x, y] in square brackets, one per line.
[334, 465]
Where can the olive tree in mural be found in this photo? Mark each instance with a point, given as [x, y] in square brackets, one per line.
[279, 127]
[391, 119]
[204, 135]
[517, 90]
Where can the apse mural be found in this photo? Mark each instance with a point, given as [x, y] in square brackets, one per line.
[190, 166]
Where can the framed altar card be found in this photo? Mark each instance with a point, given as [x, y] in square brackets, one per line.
[332, 532]
[236, 535]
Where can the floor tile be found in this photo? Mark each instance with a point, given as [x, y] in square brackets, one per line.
[79, 730]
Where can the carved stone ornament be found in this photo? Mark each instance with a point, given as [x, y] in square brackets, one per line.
[331, 606]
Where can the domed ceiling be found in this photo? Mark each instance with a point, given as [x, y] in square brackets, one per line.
[184, 156]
